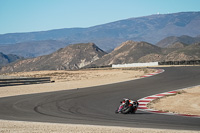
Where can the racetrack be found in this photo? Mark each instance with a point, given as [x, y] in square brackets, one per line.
[96, 105]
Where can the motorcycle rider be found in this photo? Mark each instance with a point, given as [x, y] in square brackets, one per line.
[127, 102]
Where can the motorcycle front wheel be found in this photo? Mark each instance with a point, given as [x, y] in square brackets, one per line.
[126, 110]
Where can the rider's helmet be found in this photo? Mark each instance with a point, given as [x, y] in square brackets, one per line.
[126, 101]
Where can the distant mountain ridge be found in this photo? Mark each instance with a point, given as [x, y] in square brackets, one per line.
[108, 36]
[69, 58]
[127, 52]
[85, 55]
[6, 59]
[166, 42]
[141, 52]
[33, 48]
[190, 52]
[177, 45]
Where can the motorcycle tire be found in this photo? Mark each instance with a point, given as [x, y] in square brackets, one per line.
[133, 111]
[126, 110]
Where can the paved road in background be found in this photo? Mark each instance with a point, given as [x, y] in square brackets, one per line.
[96, 105]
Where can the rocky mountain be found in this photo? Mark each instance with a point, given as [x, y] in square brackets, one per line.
[173, 47]
[108, 36]
[166, 42]
[140, 52]
[128, 52]
[177, 45]
[6, 59]
[191, 52]
[71, 57]
[33, 48]
[89, 55]
[177, 52]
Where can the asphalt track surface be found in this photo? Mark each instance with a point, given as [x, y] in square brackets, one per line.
[96, 105]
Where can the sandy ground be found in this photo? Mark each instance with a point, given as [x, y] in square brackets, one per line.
[71, 80]
[185, 102]
[31, 127]
[65, 80]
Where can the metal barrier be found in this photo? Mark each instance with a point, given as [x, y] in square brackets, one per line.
[189, 62]
[23, 81]
[149, 64]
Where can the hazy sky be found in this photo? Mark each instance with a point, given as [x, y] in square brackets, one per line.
[40, 15]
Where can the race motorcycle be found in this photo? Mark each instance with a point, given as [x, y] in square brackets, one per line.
[127, 106]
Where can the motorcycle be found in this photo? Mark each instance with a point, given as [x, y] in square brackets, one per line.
[127, 106]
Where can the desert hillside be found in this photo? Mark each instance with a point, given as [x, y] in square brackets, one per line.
[128, 52]
[6, 59]
[84, 55]
[140, 52]
[166, 42]
[71, 57]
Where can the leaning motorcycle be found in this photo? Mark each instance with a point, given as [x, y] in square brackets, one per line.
[127, 107]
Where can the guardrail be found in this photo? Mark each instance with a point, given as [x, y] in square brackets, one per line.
[96, 66]
[189, 62]
[23, 81]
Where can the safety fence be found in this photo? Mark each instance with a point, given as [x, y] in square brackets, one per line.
[23, 81]
[189, 62]
[96, 66]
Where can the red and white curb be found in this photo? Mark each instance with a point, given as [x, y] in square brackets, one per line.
[144, 101]
[155, 73]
